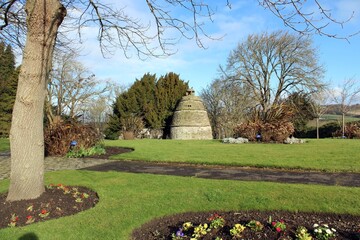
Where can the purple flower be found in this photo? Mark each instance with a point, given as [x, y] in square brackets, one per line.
[179, 233]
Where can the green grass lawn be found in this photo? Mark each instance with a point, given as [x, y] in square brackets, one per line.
[4, 144]
[129, 200]
[331, 155]
[324, 154]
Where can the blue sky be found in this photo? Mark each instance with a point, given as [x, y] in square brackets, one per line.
[200, 66]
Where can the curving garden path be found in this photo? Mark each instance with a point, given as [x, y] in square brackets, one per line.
[52, 164]
[199, 171]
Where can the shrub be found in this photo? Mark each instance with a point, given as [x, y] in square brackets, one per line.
[352, 130]
[327, 130]
[132, 124]
[277, 131]
[59, 136]
[82, 152]
[274, 125]
[270, 132]
[307, 132]
[248, 130]
[111, 135]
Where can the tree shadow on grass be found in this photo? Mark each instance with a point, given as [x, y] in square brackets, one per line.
[29, 236]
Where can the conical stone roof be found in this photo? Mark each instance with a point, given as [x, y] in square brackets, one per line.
[190, 119]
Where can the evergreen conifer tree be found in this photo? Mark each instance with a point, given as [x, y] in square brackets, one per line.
[8, 86]
[169, 90]
[154, 100]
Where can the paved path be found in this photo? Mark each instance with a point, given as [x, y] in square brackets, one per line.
[232, 173]
[211, 172]
[52, 164]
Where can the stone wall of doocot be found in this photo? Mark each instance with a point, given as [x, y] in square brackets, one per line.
[190, 120]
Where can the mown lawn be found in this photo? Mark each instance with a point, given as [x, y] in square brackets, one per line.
[129, 200]
[324, 155]
[4, 144]
[332, 155]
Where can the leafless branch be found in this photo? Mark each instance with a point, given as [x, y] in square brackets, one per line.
[294, 15]
[189, 29]
[7, 6]
[116, 29]
[152, 36]
[348, 92]
[273, 66]
[12, 19]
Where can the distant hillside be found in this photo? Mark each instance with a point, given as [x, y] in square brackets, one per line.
[333, 114]
[334, 109]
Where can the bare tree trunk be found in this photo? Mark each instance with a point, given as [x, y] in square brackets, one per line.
[343, 124]
[26, 137]
[48, 112]
[317, 128]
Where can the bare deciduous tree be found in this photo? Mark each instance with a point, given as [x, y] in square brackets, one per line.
[345, 95]
[272, 66]
[319, 105]
[226, 105]
[72, 86]
[98, 111]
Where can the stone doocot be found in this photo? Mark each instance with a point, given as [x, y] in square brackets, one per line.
[190, 119]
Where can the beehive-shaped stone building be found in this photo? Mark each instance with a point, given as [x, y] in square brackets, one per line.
[190, 119]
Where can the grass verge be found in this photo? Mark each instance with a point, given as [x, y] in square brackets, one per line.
[129, 200]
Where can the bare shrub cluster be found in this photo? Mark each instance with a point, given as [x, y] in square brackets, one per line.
[352, 130]
[59, 136]
[270, 132]
[273, 126]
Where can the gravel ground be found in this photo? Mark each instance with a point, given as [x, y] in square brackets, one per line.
[54, 164]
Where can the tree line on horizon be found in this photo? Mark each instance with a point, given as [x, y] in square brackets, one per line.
[272, 83]
[150, 101]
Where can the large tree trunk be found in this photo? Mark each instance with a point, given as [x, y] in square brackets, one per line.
[26, 136]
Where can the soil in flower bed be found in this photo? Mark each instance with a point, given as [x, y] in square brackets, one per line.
[346, 226]
[57, 201]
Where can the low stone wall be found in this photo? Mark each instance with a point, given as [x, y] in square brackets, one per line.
[191, 132]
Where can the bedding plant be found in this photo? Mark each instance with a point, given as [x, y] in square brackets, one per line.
[133, 203]
[257, 225]
[57, 201]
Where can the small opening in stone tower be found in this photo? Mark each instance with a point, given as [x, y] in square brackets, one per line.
[190, 91]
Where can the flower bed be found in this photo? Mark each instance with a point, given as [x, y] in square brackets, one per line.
[57, 201]
[251, 225]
